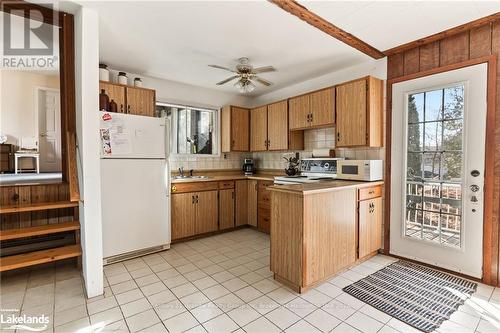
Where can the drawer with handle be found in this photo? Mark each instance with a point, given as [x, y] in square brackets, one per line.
[226, 184]
[370, 192]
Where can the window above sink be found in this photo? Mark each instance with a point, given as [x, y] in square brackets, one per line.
[194, 130]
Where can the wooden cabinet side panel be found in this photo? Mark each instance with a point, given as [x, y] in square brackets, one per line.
[375, 112]
[298, 109]
[351, 114]
[240, 129]
[226, 209]
[241, 210]
[329, 233]
[286, 236]
[225, 124]
[277, 125]
[252, 202]
[258, 129]
[206, 212]
[323, 107]
[183, 215]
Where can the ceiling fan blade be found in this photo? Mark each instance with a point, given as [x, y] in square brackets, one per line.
[228, 79]
[264, 69]
[264, 82]
[221, 67]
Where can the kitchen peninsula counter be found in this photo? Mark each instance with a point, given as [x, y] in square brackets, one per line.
[320, 229]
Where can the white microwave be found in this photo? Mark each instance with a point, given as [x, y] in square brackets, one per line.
[365, 170]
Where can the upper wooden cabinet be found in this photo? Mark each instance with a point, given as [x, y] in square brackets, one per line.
[140, 101]
[299, 109]
[235, 129]
[313, 110]
[359, 113]
[269, 129]
[131, 100]
[115, 92]
[322, 107]
[258, 127]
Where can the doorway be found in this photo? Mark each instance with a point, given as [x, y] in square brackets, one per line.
[437, 174]
[49, 129]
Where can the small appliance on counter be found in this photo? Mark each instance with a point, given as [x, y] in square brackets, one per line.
[312, 170]
[248, 166]
[364, 170]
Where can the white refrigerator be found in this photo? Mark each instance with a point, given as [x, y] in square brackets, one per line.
[135, 183]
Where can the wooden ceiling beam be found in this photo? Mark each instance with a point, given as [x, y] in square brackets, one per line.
[296, 9]
[443, 34]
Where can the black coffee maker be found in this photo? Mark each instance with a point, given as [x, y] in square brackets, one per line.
[248, 166]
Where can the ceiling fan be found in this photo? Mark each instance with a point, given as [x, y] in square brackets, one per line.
[245, 73]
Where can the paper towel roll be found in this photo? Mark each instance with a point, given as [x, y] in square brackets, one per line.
[323, 152]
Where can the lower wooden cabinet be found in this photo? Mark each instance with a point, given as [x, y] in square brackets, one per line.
[370, 226]
[369, 220]
[226, 209]
[241, 202]
[252, 203]
[206, 212]
[183, 215]
[194, 213]
[264, 206]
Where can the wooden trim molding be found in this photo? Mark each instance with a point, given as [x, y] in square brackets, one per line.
[490, 232]
[443, 34]
[296, 9]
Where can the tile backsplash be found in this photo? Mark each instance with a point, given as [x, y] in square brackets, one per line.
[224, 161]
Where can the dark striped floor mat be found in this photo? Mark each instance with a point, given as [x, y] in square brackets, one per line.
[417, 295]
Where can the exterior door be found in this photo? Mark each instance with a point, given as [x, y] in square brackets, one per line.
[438, 145]
[49, 130]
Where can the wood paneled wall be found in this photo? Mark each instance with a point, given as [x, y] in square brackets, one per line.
[457, 50]
[26, 195]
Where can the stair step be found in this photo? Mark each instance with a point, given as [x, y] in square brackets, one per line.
[39, 230]
[39, 257]
[37, 206]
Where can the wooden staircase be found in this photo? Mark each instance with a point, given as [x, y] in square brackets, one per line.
[31, 213]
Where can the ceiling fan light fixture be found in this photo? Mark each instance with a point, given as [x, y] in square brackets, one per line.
[245, 86]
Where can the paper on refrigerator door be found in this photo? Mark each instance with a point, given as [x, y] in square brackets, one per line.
[115, 137]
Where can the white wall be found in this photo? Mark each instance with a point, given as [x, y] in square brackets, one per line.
[87, 106]
[377, 68]
[181, 93]
[18, 107]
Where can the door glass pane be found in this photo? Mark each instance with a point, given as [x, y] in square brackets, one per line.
[434, 166]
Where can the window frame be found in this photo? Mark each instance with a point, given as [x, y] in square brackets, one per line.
[174, 129]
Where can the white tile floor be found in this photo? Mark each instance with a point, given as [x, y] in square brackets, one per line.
[216, 284]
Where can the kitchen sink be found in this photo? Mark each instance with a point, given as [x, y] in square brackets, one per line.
[190, 177]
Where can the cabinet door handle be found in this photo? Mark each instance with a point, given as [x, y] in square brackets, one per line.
[197, 198]
[338, 136]
[192, 199]
[128, 109]
[121, 108]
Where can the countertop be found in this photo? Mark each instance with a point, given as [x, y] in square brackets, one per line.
[229, 176]
[302, 189]
[322, 186]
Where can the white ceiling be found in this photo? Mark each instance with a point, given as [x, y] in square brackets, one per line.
[176, 40]
[387, 24]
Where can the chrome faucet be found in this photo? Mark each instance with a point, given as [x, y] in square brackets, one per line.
[181, 171]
